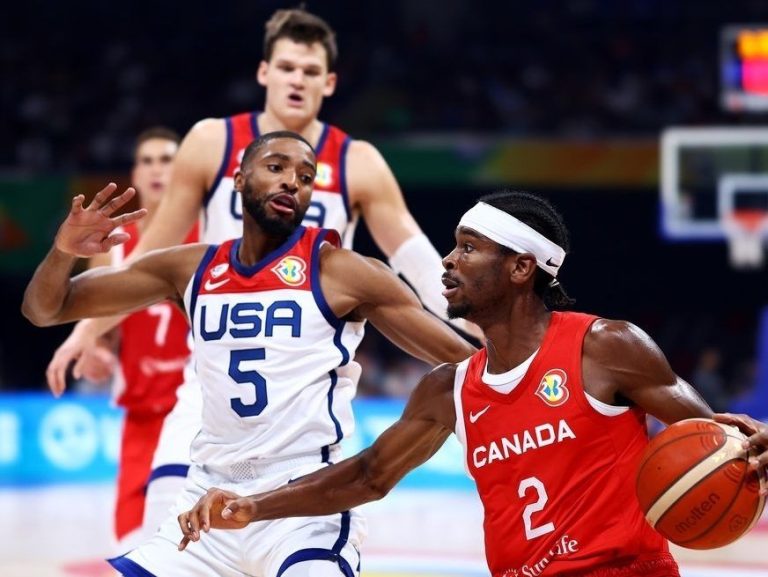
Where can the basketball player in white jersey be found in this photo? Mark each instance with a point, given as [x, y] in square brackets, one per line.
[353, 180]
[274, 315]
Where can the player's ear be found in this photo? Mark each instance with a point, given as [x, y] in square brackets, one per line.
[239, 180]
[330, 84]
[521, 267]
[261, 72]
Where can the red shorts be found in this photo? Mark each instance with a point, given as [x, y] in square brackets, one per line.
[141, 432]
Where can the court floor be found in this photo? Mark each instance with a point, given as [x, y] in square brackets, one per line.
[65, 532]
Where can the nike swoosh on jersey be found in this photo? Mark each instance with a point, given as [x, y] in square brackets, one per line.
[473, 417]
[209, 286]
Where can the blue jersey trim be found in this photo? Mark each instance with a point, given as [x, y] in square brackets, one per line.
[314, 283]
[316, 555]
[343, 533]
[129, 568]
[255, 124]
[207, 258]
[322, 139]
[220, 174]
[336, 424]
[343, 176]
[249, 271]
[172, 470]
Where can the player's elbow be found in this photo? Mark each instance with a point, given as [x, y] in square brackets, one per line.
[35, 316]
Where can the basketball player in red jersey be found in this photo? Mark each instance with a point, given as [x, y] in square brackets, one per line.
[551, 415]
[152, 350]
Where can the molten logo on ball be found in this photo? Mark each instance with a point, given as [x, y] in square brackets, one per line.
[697, 514]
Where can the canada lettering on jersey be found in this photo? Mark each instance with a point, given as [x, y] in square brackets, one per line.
[247, 319]
[519, 443]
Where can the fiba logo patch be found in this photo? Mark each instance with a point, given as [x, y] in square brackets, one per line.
[219, 270]
[324, 176]
[552, 389]
[291, 270]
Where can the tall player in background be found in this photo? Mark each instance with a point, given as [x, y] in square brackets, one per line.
[353, 180]
[551, 415]
[152, 348]
[275, 315]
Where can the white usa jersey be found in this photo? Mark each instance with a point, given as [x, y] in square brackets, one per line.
[329, 207]
[268, 350]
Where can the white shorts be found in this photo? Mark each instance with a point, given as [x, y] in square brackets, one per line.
[263, 549]
[180, 427]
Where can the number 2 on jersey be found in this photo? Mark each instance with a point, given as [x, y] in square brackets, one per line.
[248, 377]
[532, 532]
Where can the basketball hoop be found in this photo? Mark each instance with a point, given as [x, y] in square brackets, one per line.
[745, 230]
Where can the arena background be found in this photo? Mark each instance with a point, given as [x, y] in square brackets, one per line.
[565, 98]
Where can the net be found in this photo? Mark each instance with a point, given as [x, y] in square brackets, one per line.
[745, 231]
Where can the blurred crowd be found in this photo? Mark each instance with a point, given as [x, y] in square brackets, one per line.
[75, 96]
[80, 79]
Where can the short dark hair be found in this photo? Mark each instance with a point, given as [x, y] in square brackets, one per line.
[303, 27]
[257, 144]
[542, 217]
[161, 132]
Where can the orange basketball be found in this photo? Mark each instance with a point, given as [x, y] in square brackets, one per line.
[695, 486]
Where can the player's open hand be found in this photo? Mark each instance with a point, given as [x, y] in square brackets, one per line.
[207, 515]
[757, 437]
[88, 231]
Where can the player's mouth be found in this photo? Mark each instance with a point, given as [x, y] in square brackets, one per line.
[295, 99]
[284, 203]
[451, 286]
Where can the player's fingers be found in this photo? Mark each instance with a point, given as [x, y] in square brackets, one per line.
[129, 217]
[50, 377]
[183, 543]
[183, 520]
[77, 203]
[744, 423]
[194, 523]
[114, 240]
[79, 368]
[113, 205]
[56, 374]
[102, 196]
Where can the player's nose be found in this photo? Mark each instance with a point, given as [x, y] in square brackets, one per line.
[449, 260]
[290, 180]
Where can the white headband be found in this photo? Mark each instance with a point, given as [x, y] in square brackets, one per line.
[506, 230]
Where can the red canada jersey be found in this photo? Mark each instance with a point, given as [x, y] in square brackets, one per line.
[556, 477]
[329, 207]
[153, 348]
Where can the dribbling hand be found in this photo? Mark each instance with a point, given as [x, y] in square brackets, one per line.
[88, 231]
[757, 438]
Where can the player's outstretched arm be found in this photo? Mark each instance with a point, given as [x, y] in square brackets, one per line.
[53, 298]
[428, 420]
[367, 289]
[374, 189]
[196, 164]
[621, 362]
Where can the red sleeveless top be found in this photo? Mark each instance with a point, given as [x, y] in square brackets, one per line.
[555, 476]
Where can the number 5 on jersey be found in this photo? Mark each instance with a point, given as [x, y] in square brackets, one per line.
[236, 358]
